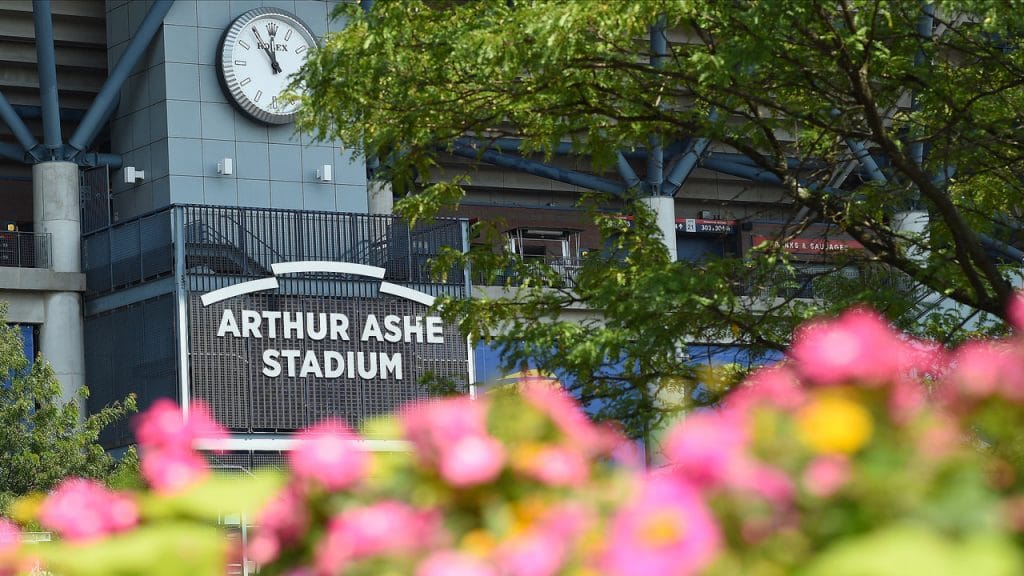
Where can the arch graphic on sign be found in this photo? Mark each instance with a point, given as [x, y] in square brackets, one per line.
[271, 283]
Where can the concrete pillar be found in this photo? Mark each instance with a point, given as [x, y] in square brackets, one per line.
[381, 197]
[55, 210]
[912, 222]
[664, 208]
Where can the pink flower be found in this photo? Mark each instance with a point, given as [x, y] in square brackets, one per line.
[708, 448]
[825, 475]
[10, 538]
[775, 387]
[534, 553]
[665, 530]
[983, 369]
[472, 460]
[451, 434]
[432, 425]
[857, 346]
[386, 527]
[452, 563]
[769, 483]
[170, 471]
[282, 522]
[169, 463]
[550, 398]
[326, 454]
[163, 426]
[82, 510]
[554, 465]
[907, 399]
[1015, 311]
[543, 548]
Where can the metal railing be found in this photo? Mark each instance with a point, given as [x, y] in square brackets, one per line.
[565, 270]
[128, 252]
[229, 241]
[825, 282]
[243, 242]
[24, 249]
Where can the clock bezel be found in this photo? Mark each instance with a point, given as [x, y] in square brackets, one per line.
[227, 75]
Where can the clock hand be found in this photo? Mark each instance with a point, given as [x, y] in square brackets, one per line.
[274, 66]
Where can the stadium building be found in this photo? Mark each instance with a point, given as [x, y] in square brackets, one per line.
[165, 231]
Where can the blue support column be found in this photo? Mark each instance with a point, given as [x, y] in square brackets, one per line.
[47, 66]
[656, 155]
[17, 125]
[103, 106]
[924, 29]
[540, 169]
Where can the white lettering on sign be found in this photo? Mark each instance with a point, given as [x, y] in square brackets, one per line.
[318, 326]
[332, 364]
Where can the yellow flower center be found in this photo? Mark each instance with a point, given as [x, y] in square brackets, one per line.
[478, 542]
[834, 423]
[662, 528]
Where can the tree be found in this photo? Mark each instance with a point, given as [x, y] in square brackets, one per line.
[43, 441]
[861, 112]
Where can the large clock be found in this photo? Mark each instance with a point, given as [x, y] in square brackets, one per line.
[258, 53]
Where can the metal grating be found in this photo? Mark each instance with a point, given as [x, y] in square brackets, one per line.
[95, 198]
[128, 253]
[24, 249]
[130, 350]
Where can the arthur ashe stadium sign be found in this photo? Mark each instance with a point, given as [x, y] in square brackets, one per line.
[301, 349]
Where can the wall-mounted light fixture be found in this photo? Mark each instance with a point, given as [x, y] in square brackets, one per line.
[226, 167]
[132, 175]
[325, 173]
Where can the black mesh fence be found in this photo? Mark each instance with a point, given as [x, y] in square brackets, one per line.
[24, 249]
[128, 253]
[130, 350]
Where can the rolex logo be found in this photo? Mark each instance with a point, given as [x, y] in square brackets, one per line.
[272, 29]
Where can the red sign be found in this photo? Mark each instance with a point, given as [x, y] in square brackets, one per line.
[812, 245]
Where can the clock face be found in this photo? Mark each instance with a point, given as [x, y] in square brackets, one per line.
[258, 54]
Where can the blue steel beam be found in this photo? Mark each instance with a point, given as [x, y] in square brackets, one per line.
[11, 151]
[684, 167]
[114, 161]
[47, 66]
[103, 106]
[740, 170]
[626, 171]
[540, 169]
[17, 126]
[866, 161]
